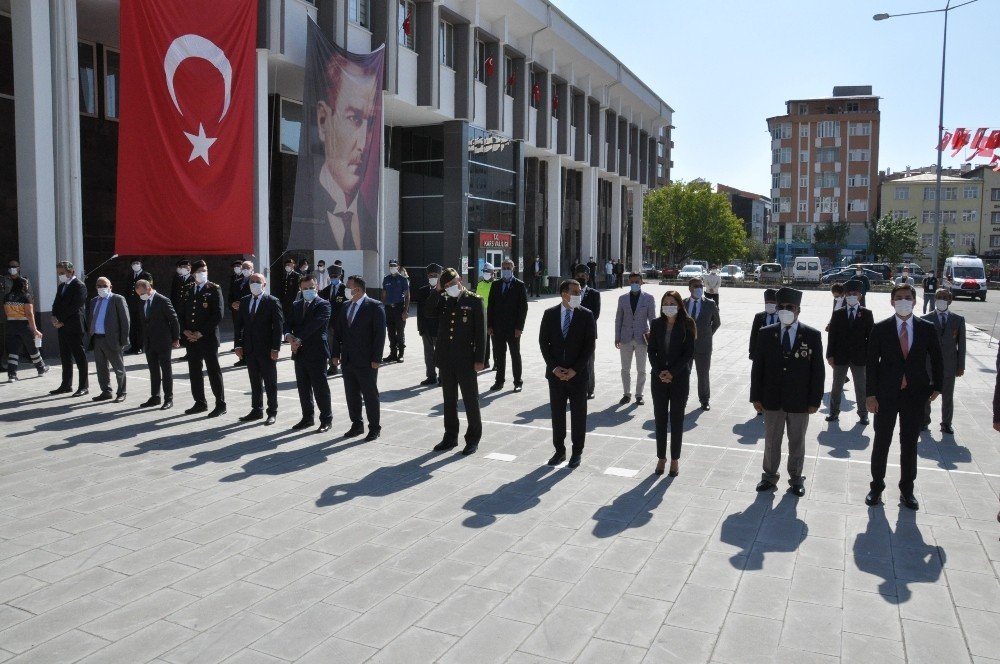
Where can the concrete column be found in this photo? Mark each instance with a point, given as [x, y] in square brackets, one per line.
[34, 147]
[464, 76]
[582, 115]
[553, 216]
[261, 154]
[522, 96]
[643, 175]
[633, 146]
[384, 26]
[616, 218]
[588, 213]
[636, 228]
[611, 134]
[456, 187]
[623, 136]
[428, 61]
[543, 139]
[595, 121]
[562, 143]
[331, 17]
[494, 87]
[66, 124]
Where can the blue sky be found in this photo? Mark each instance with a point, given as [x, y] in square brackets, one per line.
[727, 65]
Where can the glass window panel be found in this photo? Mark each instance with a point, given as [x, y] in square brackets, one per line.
[87, 62]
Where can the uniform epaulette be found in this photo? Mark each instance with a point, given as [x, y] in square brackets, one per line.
[474, 294]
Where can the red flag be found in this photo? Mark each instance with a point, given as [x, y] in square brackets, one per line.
[989, 144]
[959, 141]
[978, 138]
[945, 140]
[490, 67]
[407, 25]
[185, 141]
[536, 92]
[511, 80]
[555, 103]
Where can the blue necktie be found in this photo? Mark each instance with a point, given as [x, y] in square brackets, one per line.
[149, 305]
[567, 317]
[786, 342]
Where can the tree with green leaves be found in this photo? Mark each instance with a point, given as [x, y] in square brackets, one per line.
[889, 237]
[945, 247]
[688, 220]
[829, 238]
[756, 251]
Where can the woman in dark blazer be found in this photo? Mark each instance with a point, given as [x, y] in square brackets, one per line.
[670, 345]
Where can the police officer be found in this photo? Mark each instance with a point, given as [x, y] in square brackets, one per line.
[427, 327]
[239, 288]
[460, 352]
[289, 287]
[336, 294]
[202, 311]
[396, 298]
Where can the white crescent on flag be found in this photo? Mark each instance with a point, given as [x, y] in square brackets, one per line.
[196, 46]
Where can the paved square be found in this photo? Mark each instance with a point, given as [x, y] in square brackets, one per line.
[135, 536]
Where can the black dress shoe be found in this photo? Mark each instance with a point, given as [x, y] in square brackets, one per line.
[304, 423]
[946, 428]
[373, 435]
[496, 387]
[82, 392]
[120, 397]
[252, 415]
[764, 485]
[103, 396]
[909, 501]
[557, 458]
[389, 358]
[863, 421]
[832, 418]
[797, 490]
[590, 395]
[332, 371]
[324, 427]
[625, 399]
[151, 401]
[197, 408]
[61, 390]
[220, 409]
[470, 448]
[167, 404]
[518, 387]
[639, 401]
[269, 421]
[445, 445]
[574, 460]
[873, 498]
[355, 430]
[429, 381]
[705, 406]
[240, 363]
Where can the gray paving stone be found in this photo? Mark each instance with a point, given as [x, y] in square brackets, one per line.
[132, 617]
[676, 645]
[49, 596]
[558, 636]
[64, 648]
[462, 610]
[812, 628]
[386, 621]
[817, 585]
[223, 640]
[635, 620]
[700, 608]
[598, 590]
[600, 652]
[762, 596]
[305, 631]
[290, 568]
[858, 648]
[220, 575]
[746, 639]
[871, 614]
[370, 589]
[440, 580]
[982, 631]
[491, 641]
[506, 572]
[31, 632]
[974, 591]
[415, 645]
[338, 650]
[144, 583]
[531, 601]
[212, 609]
[926, 643]
[143, 645]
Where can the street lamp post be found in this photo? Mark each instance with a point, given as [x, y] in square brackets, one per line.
[936, 239]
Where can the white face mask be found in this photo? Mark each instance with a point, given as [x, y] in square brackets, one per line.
[838, 300]
[103, 292]
[770, 307]
[852, 300]
[903, 307]
[487, 276]
[144, 297]
[453, 290]
[288, 269]
[433, 281]
[237, 271]
[669, 310]
[12, 271]
[304, 269]
[137, 267]
[201, 277]
[321, 268]
[183, 271]
[941, 305]
[786, 317]
[246, 273]
[574, 301]
[393, 270]
[63, 278]
[256, 288]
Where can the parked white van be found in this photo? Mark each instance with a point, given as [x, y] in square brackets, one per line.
[807, 269]
[965, 275]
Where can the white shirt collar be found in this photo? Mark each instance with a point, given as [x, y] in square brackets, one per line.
[793, 331]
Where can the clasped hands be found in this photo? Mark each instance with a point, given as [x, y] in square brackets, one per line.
[562, 373]
[192, 336]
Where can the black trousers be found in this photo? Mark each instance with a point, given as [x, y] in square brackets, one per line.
[207, 354]
[669, 400]
[135, 314]
[536, 286]
[71, 352]
[500, 346]
[714, 297]
[263, 374]
[395, 328]
[361, 385]
[909, 407]
[453, 379]
[575, 393]
[160, 370]
[310, 378]
[18, 340]
[430, 341]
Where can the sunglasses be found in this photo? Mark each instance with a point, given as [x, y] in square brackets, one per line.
[786, 307]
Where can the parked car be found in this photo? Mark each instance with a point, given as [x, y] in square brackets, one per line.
[731, 273]
[845, 274]
[806, 268]
[883, 269]
[650, 270]
[770, 273]
[915, 270]
[690, 272]
[669, 272]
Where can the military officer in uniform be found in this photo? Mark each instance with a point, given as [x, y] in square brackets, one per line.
[786, 383]
[202, 312]
[460, 352]
[239, 288]
[334, 292]
[427, 327]
[396, 299]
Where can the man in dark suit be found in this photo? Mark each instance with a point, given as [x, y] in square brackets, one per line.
[763, 318]
[239, 288]
[506, 311]
[847, 348]
[705, 313]
[307, 331]
[289, 287]
[68, 316]
[336, 294]
[181, 279]
[135, 304]
[786, 383]
[202, 312]
[459, 353]
[591, 302]
[592, 272]
[537, 276]
[161, 332]
[357, 344]
[900, 384]
[619, 271]
[259, 325]
[427, 326]
[950, 328]
[567, 336]
[108, 336]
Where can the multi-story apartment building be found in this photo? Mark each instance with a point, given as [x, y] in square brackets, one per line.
[753, 209]
[824, 168]
[989, 218]
[575, 137]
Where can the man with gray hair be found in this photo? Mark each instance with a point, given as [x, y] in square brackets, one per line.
[107, 336]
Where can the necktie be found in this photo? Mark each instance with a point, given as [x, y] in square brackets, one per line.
[904, 346]
[253, 306]
[944, 322]
[697, 304]
[851, 316]
[149, 305]
[567, 317]
[786, 342]
[505, 284]
[770, 319]
[350, 314]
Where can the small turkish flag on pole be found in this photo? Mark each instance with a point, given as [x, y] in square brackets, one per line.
[945, 140]
[186, 136]
[490, 68]
[407, 25]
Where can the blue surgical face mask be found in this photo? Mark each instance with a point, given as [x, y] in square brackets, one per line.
[507, 275]
[635, 287]
[309, 294]
[335, 281]
[697, 292]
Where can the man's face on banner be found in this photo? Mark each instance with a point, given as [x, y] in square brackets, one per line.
[344, 123]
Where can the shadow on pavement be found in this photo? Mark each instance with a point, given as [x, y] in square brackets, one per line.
[763, 528]
[632, 509]
[899, 557]
[843, 441]
[382, 481]
[514, 497]
[750, 432]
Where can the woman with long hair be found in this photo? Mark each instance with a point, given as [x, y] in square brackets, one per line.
[671, 348]
[21, 330]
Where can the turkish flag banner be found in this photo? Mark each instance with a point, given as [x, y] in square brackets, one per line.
[186, 134]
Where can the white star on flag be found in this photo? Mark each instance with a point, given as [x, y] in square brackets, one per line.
[200, 144]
